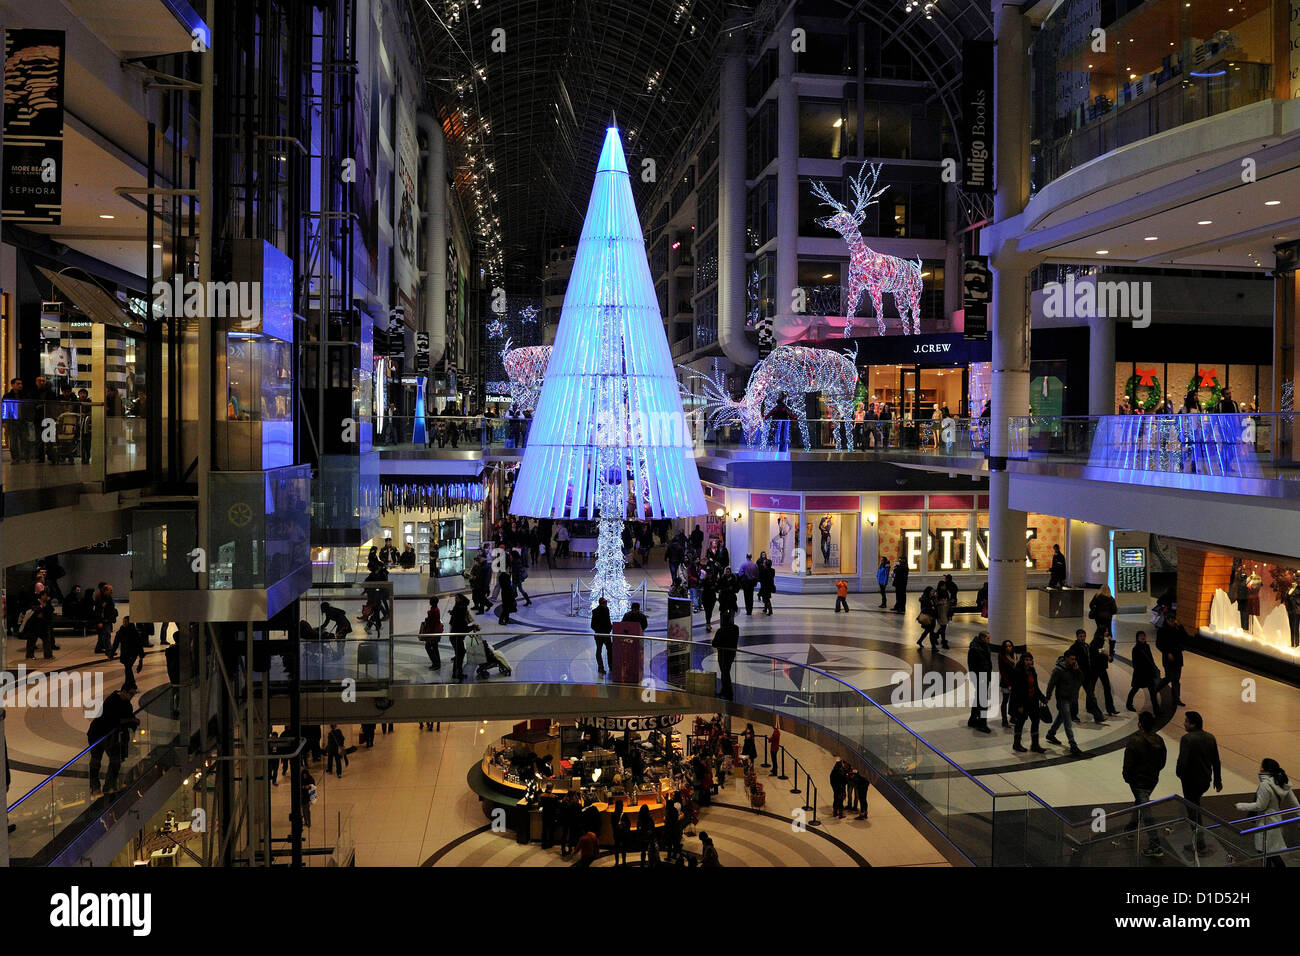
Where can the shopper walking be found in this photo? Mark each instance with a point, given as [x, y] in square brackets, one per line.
[1083, 654]
[130, 642]
[942, 612]
[725, 642]
[926, 619]
[900, 586]
[1063, 688]
[1144, 758]
[1056, 573]
[602, 627]
[1145, 672]
[748, 582]
[1102, 610]
[645, 832]
[882, 581]
[773, 748]
[861, 784]
[1027, 703]
[1101, 651]
[1170, 638]
[708, 597]
[430, 629]
[1274, 794]
[460, 626]
[1198, 768]
[519, 574]
[979, 673]
[766, 582]
[1006, 670]
[621, 825]
[334, 756]
[109, 732]
[508, 604]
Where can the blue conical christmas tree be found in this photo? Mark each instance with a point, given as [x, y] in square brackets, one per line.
[609, 439]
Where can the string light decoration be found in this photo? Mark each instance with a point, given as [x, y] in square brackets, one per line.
[528, 314]
[526, 367]
[871, 271]
[791, 371]
[495, 329]
[609, 439]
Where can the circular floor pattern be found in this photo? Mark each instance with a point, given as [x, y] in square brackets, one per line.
[742, 836]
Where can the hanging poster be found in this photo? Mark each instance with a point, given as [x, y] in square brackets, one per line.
[977, 116]
[825, 542]
[33, 126]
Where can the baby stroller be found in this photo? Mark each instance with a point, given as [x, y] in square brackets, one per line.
[67, 437]
[491, 658]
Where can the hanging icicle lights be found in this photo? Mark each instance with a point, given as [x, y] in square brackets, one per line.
[429, 496]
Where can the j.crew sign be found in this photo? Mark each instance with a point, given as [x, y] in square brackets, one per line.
[924, 348]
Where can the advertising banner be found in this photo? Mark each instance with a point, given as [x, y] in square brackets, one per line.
[33, 126]
[977, 116]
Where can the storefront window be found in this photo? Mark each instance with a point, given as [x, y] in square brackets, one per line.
[900, 534]
[831, 542]
[777, 533]
[949, 540]
[821, 124]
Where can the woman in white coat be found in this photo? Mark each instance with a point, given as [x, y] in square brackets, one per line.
[1274, 795]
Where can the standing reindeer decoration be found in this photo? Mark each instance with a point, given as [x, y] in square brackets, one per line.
[792, 371]
[870, 270]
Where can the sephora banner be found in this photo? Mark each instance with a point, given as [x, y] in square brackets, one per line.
[33, 126]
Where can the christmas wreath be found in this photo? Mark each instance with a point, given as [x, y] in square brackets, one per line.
[1153, 396]
[1203, 379]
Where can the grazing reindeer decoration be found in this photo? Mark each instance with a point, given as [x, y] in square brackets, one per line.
[792, 371]
[870, 270]
[526, 367]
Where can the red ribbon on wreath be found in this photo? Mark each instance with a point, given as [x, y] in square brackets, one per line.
[1146, 376]
[1207, 378]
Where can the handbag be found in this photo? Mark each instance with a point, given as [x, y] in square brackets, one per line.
[1044, 712]
[925, 620]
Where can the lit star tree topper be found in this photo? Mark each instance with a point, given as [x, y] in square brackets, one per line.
[609, 440]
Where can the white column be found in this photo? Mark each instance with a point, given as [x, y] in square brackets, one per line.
[787, 176]
[732, 123]
[1010, 323]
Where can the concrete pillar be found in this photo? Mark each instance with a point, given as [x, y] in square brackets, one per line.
[787, 177]
[1101, 365]
[435, 238]
[732, 122]
[1010, 322]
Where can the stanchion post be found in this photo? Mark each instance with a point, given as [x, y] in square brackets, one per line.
[795, 788]
[765, 751]
[814, 822]
[782, 775]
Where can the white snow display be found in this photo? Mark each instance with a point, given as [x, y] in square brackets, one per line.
[1271, 636]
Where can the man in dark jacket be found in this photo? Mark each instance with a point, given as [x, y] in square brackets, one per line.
[1145, 672]
[839, 786]
[105, 617]
[979, 671]
[479, 576]
[1169, 642]
[634, 616]
[131, 643]
[1198, 767]
[1056, 574]
[37, 627]
[1083, 654]
[900, 586]
[601, 626]
[108, 731]
[1099, 651]
[1063, 687]
[676, 552]
[1144, 758]
[726, 640]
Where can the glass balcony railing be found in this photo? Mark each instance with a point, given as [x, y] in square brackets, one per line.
[65, 801]
[965, 438]
[1193, 450]
[1103, 77]
[66, 442]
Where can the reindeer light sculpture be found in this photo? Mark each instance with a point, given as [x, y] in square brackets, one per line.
[792, 371]
[526, 367]
[871, 271]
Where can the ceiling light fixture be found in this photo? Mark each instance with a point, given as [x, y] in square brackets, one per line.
[1273, 202]
[1103, 252]
[1150, 238]
[104, 215]
[1204, 222]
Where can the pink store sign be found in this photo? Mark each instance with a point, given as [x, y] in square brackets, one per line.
[831, 502]
[765, 502]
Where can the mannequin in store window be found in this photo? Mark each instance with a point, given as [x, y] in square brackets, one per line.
[1249, 604]
[1292, 598]
[779, 540]
[824, 528]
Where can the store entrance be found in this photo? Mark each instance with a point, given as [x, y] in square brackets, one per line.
[909, 392]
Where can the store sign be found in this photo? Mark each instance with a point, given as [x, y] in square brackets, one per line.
[950, 543]
[977, 289]
[935, 350]
[33, 127]
[977, 116]
[615, 724]
[774, 502]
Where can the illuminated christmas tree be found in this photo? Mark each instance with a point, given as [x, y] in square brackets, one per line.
[609, 440]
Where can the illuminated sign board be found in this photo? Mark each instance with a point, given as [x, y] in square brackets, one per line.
[950, 543]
